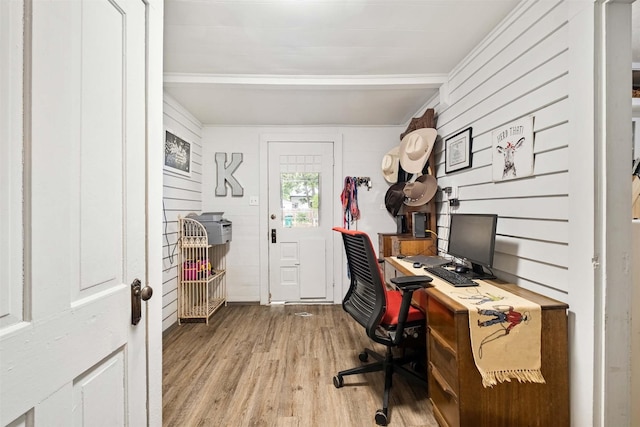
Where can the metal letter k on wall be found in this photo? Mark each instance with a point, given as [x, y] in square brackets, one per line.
[225, 174]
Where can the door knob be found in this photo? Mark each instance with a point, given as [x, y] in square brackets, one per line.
[138, 293]
[146, 293]
[273, 216]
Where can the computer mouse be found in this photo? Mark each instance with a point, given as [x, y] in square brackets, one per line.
[461, 269]
[417, 264]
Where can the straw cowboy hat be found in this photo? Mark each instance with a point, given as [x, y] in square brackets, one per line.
[390, 164]
[415, 149]
[421, 191]
[394, 198]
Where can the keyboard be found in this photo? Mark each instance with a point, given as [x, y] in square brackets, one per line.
[455, 279]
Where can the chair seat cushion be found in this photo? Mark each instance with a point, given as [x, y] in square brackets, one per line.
[394, 301]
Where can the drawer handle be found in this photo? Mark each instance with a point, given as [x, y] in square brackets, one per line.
[442, 341]
[441, 381]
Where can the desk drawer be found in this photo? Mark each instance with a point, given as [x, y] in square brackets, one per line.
[442, 321]
[443, 358]
[444, 400]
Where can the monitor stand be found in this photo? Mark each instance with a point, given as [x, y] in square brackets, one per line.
[477, 272]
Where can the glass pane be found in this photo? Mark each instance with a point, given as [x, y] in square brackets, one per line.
[300, 199]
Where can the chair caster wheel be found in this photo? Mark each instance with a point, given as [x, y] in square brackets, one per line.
[337, 381]
[364, 356]
[381, 417]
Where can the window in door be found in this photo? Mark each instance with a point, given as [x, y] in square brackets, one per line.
[300, 199]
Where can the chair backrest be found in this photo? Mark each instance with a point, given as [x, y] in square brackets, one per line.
[366, 299]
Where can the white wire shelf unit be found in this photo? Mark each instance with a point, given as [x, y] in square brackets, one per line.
[202, 282]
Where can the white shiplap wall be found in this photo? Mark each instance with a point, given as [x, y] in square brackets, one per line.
[181, 195]
[538, 62]
[521, 69]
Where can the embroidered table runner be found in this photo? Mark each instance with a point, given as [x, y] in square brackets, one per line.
[504, 328]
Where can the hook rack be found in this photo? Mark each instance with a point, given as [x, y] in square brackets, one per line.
[364, 180]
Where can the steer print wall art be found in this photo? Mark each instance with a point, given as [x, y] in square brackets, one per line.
[513, 150]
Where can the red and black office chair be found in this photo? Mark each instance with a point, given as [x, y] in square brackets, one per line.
[386, 315]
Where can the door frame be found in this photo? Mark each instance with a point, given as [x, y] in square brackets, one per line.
[612, 235]
[336, 140]
[154, 190]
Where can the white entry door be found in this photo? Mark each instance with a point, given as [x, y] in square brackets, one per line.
[69, 354]
[300, 221]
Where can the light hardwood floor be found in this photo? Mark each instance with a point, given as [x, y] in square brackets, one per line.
[266, 366]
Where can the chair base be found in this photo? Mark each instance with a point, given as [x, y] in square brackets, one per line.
[389, 365]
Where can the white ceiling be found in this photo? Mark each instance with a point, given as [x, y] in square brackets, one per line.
[318, 62]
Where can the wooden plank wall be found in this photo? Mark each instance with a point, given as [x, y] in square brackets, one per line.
[520, 69]
[181, 195]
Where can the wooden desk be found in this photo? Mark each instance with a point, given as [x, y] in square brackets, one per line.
[455, 385]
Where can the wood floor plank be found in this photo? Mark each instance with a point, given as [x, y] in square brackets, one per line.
[273, 366]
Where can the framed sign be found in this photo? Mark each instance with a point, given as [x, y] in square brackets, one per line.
[457, 151]
[513, 150]
[177, 154]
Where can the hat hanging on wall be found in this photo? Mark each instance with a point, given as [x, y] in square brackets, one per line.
[415, 149]
[394, 198]
[421, 191]
[390, 164]
[404, 176]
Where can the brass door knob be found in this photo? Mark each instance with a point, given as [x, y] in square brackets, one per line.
[146, 293]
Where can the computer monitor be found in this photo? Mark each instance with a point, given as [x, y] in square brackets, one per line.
[472, 237]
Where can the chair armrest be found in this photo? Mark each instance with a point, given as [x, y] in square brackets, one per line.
[411, 283]
[407, 284]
